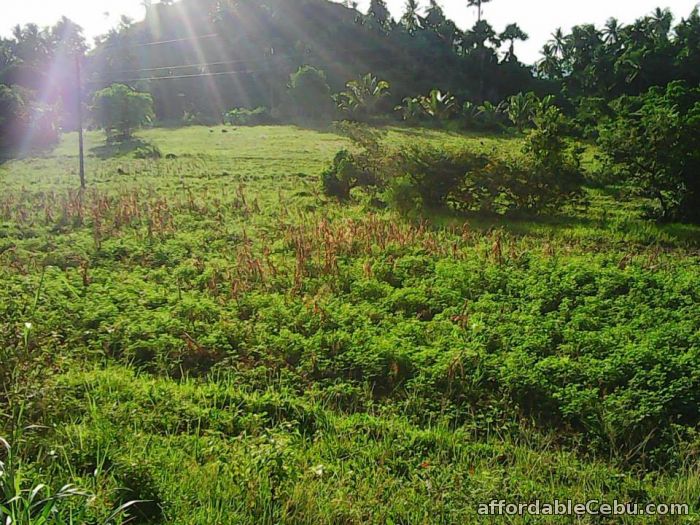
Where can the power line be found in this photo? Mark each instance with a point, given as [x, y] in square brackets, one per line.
[175, 77]
[160, 42]
[195, 75]
[205, 64]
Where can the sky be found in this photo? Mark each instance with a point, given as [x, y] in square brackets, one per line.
[539, 18]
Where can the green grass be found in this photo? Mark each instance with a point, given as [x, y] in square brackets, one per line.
[212, 335]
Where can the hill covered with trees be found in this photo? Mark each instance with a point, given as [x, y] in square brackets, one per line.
[200, 59]
[264, 42]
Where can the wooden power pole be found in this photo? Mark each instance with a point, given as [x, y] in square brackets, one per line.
[79, 97]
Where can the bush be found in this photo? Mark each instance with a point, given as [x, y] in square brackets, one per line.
[403, 195]
[655, 144]
[119, 110]
[363, 97]
[553, 165]
[248, 117]
[22, 119]
[310, 93]
[543, 180]
[346, 172]
[547, 176]
[351, 169]
[436, 174]
[484, 117]
[148, 151]
[590, 114]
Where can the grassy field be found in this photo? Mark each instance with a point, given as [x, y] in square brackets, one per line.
[208, 333]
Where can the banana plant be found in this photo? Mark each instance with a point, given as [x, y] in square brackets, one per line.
[521, 109]
[486, 116]
[362, 96]
[411, 109]
[439, 105]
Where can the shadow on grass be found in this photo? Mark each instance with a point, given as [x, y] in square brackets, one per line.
[120, 148]
[575, 226]
[13, 152]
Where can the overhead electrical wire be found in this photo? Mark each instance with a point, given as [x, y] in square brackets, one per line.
[159, 42]
[202, 65]
[186, 66]
[174, 77]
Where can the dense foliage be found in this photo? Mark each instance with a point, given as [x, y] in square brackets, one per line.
[545, 177]
[24, 123]
[248, 117]
[417, 54]
[37, 84]
[120, 110]
[310, 95]
[655, 141]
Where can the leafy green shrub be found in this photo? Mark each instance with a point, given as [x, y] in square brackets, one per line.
[148, 151]
[543, 180]
[484, 117]
[591, 114]
[655, 144]
[411, 109]
[422, 176]
[554, 174]
[523, 108]
[352, 169]
[436, 174]
[120, 110]
[23, 119]
[403, 195]
[438, 105]
[363, 97]
[248, 117]
[347, 171]
[309, 90]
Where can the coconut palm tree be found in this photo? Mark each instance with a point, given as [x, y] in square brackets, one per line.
[549, 66]
[411, 19]
[512, 33]
[558, 42]
[611, 31]
[661, 21]
[477, 4]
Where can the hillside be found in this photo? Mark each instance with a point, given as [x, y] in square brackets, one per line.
[262, 43]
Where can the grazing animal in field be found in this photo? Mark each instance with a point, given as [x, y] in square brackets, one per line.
[121, 171]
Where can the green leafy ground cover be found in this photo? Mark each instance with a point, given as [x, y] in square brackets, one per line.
[205, 331]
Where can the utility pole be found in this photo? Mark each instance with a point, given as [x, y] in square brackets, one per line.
[270, 80]
[79, 97]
